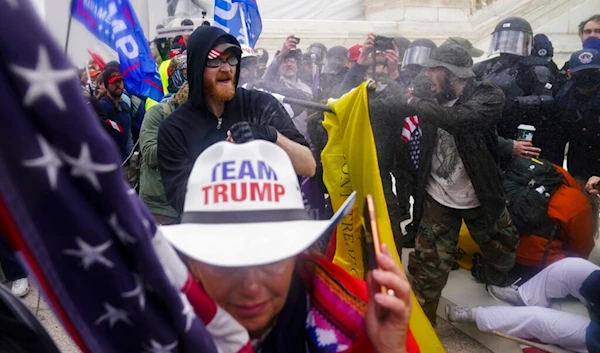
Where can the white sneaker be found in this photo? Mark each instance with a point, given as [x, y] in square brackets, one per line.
[20, 287]
[455, 313]
[508, 295]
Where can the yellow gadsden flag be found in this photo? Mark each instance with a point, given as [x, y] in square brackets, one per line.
[350, 164]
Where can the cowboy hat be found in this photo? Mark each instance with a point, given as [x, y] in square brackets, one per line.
[244, 207]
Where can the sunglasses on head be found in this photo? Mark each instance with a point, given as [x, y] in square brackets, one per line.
[218, 62]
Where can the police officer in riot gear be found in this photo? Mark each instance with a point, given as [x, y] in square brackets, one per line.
[415, 56]
[527, 85]
[334, 71]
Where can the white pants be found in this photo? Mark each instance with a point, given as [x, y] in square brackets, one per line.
[536, 321]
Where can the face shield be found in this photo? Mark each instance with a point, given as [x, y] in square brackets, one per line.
[416, 56]
[334, 65]
[511, 42]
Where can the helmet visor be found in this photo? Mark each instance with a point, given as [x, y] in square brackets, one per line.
[416, 56]
[511, 42]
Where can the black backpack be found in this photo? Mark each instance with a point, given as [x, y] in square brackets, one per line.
[529, 184]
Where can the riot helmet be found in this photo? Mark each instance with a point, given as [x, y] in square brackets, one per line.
[512, 35]
[263, 58]
[336, 60]
[263, 55]
[319, 50]
[418, 52]
[401, 45]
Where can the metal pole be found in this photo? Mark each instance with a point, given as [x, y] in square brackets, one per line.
[318, 106]
[69, 27]
[307, 104]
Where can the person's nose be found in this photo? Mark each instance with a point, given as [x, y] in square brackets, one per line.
[251, 285]
[226, 67]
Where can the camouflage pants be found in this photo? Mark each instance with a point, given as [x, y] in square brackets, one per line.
[437, 237]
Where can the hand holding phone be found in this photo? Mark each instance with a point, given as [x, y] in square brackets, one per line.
[383, 43]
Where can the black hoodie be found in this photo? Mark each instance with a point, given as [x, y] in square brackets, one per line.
[192, 128]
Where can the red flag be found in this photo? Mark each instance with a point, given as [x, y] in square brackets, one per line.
[97, 59]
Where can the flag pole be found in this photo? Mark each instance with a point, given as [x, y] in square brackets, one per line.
[69, 26]
[244, 28]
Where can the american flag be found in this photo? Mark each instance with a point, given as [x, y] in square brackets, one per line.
[411, 134]
[86, 237]
[411, 124]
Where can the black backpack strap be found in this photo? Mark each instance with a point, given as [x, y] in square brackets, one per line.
[551, 238]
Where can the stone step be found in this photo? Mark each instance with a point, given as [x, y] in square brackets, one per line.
[463, 290]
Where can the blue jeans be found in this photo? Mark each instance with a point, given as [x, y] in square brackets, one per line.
[10, 265]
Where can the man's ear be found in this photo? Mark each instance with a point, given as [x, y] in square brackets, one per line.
[569, 73]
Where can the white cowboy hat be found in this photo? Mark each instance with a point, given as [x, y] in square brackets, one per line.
[244, 207]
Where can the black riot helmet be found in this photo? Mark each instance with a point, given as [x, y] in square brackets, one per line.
[320, 50]
[401, 44]
[512, 35]
[418, 52]
[336, 60]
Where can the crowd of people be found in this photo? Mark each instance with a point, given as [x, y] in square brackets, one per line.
[482, 144]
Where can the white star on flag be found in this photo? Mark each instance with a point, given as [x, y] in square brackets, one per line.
[156, 347]
[188, 312]
[43, 80]
[49, 161]
[138, 292]
[113, 315]
[90, 254]
[85, 167]
[120, 232]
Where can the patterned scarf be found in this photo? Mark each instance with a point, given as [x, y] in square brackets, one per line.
[325, 303]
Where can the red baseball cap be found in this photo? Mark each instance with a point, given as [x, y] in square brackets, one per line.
[114, 77]
[354, 52]
[111, 75]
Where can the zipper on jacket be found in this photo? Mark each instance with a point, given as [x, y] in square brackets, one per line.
[220, 121]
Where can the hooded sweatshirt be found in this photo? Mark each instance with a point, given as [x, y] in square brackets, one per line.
[192, 128]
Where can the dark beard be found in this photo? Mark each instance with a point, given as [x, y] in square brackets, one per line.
[447, 92]
[220, 93]
[113, 94]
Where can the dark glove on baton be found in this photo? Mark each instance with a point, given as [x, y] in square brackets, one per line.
[244, 132]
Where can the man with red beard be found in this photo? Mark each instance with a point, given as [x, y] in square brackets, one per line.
[216, 111]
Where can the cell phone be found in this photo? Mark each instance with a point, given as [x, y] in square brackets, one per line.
[371, 231]
[297, 40]
[383, 43]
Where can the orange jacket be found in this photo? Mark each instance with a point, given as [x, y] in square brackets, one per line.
[570, 209]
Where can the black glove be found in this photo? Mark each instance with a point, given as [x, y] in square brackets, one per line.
[422, 87]
[244, 132]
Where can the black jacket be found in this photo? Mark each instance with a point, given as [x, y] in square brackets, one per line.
[472, 121]
[527, 84]
[192, 128]
[581, 128]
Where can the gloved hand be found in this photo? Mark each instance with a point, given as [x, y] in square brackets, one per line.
[422, 87]
[244, 131]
